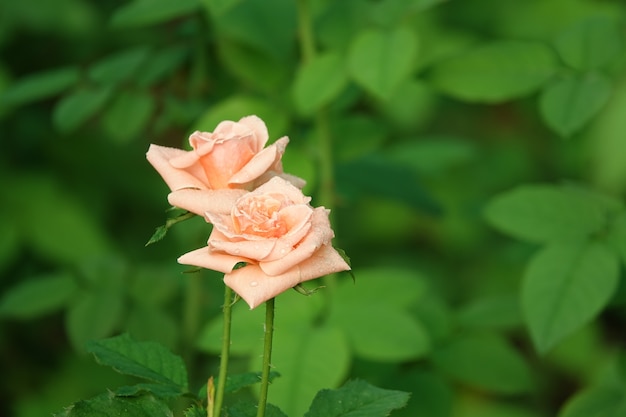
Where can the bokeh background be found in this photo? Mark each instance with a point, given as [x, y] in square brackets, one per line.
[419, 111]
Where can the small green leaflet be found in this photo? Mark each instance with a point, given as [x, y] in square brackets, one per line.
[161, 231]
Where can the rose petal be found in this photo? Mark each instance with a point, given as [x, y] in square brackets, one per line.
[160, 157]
[256, 287]
[277, 185]
[296, 181]
[259, 128]
[204, 258]
[202, 201]
[298, 219]
[260, 163]
[255, 250]
[320, 234]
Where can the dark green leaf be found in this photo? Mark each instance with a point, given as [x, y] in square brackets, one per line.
[119, 66]
[495, 72]
[249, 409]
[37, 297]
[128, 115]
[565, 286]
[485, 362]
[357, 399]
[591, 43]
[158, 390]
[76, 108]
[161, 231]
[568, 104]
[599, 401]
[93, 315]
[318, 82]
[497, 312]
[381, 60]
[148, 360]
[39, 86]
[543, 213]
[108, 405]
[238, 381]
[617, 235]
[195, 411]
[161, 64]
[140, 13]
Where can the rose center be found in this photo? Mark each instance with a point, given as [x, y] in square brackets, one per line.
[260, 216]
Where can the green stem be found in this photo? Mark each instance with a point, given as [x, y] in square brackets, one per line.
[221, 379]
[191, 314]
[267, 356]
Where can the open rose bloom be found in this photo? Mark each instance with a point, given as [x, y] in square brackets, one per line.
[273, 229]
[222, 164]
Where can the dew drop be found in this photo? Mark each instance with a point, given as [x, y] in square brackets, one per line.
[237, 251]
[282, 251]
[254, 284]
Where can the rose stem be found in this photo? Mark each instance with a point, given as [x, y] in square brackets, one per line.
[221, 378]
[267, 356]
[191, 316]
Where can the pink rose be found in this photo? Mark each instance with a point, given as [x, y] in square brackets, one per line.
[231, 157]
[283, 240]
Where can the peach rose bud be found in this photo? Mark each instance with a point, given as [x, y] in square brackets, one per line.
[275, 231]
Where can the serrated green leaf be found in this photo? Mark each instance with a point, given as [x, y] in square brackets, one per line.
[158, 390]
[140, 13]
[108, 405]
[544, 213]
[249, 409]
[39, 296]
[597, 401]
[568, 104]
[196, 411]
[147, 360]
[161, 231]
[357, 399]
[76, 108]
[119, 66]
[590, 43]
[238, 381]
[38, 86]
[318, 82]
[495, 72]
[93, 316]
[485, 362]
[381, 60]
[127, 115]
[565, 286]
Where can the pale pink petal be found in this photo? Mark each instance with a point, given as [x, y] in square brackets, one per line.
[319, 235]
[277, 185]
[204, 258]
[298, 219]
[256, 287]
[256, 249]
[160, 158]
[260, 163]
[259, 128]
[296, 181]
[202, 201]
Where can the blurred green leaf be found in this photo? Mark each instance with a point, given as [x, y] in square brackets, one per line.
[308, 358]
[218, 7]
[196, 411]
[138, 13]
[146, 322]
[495, 72]
[496, 312]
[411, 106]
[381, 60]
[565, 286]
[128, 114]
[38, 86]
[109, 405]
[597, 401]
[39, 296]
[432, 155]
[119, 66]
[93, 316]
[617, 235]
[591, 43]
[357, 135]
[161, 64]
[568, 104]
[485, 362]
[431, 394]
[147, 360]
[357, 399]
[542, 213]
[77, 107]
[318, 82]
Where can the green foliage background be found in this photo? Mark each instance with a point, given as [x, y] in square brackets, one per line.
[473, 153]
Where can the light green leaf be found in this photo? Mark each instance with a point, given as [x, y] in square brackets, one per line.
[93, 316]
[381, 60]
[568, 104]
[39, 296]
[543, 213]
[308, 359]
[591, 43]
[357, 399]
[617, 235]
[196, 411]
[108, 405]
[485, 362]
[357, 135]
[140, 13]
[319, 82]
[76, 108]
[120, 66]
[128, 115]
[38, 86]
[565, 286]
[147, 360]
[495, 312]
[597, 401]
[495, 72]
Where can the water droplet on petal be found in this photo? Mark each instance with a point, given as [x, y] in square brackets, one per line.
[237, 251]
[282, 251]
[254, 284]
